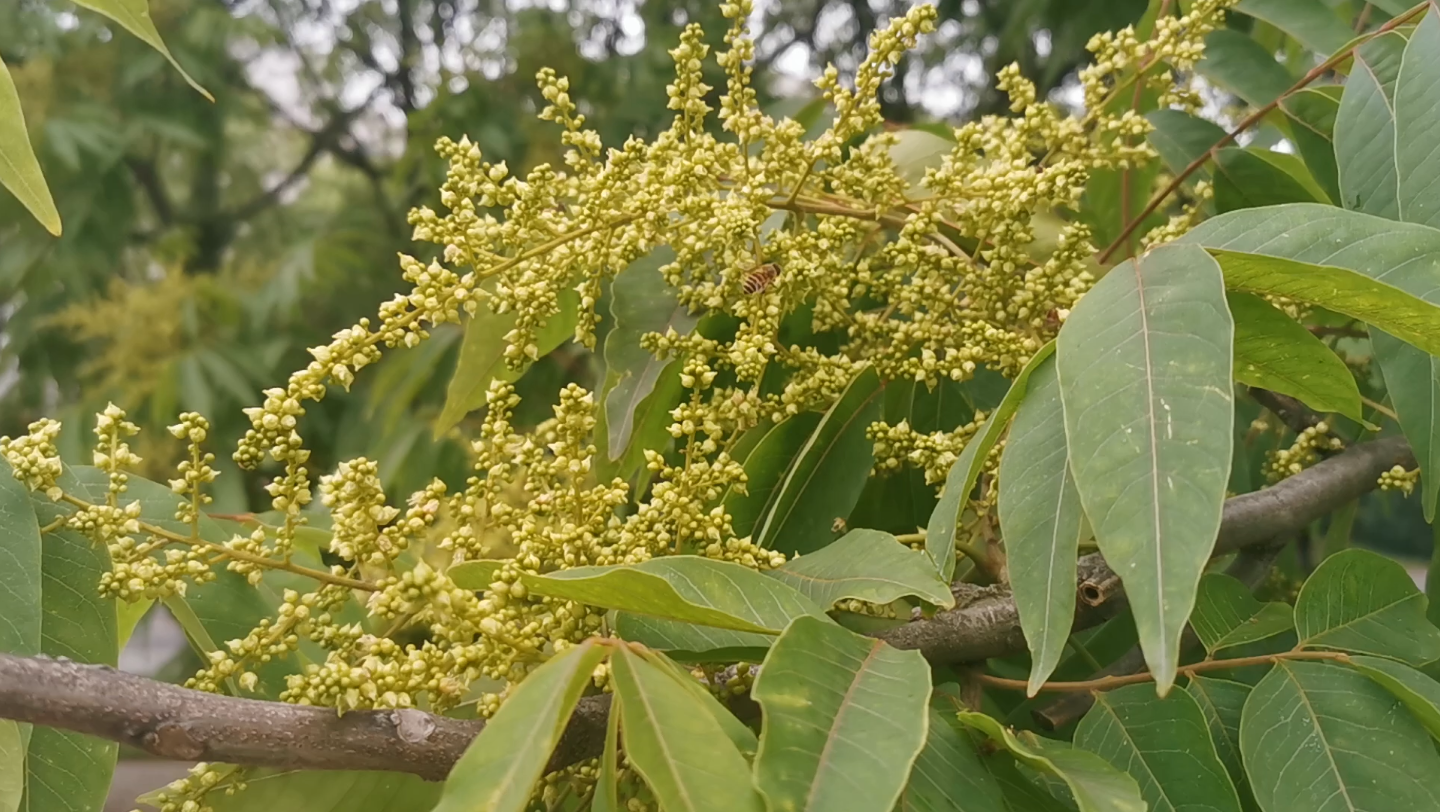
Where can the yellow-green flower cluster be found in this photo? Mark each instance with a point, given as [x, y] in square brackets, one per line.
[1399, 479]
[34, 459]
[1307, 449]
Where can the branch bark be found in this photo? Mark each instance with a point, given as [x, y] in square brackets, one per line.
[176, 722]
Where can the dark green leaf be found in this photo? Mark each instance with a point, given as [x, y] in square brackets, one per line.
[20, 557]
[1180, 138]
[865, 565]
[1412, 379]
[829, 473]
[1274, 352]
[1312, 114]
[1362, 602]
[677, 747]
[1222, 702]
[765, 467]
[1144, 363]
[1249, 178]
[692, 643]
[949, 775]
[1226, 614]
[686, 588]
[1165, 746]
[845, 717]
[1095, 784]
[500, 768]
[1041, 520]
[1318, 737]
[1314, 24]
[945, 521]
[19, 170]
[607, 789]
[1365, 129]
[1417, 120]
[1241, 65]
[1420, 693]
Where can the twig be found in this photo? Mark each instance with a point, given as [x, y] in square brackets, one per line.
[1294, 414]
[1109, 683]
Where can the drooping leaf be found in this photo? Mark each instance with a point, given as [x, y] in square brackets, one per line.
[1180, 138]
[1315, 25]
[865, 565]
[675, 745]
[1365, 129]
[1248, 178]
[1041, 520]
[482, 356]
[1020, 792]
[686, 588]
[19, 170]
[1417, 116]
[1362, 602]
[765, 468]
[1274, 352]
[12, 765]
[1165, 746]
[500, 768]
[20, 568]
[1144, 363]
[1096, 785]
[945, 521]
[845, 717]
[269, 790]
[641, 303]
[1226, 614]
[949, 774]
[1235, 61]
[829, 473]
[134, 16]
[1318, 737]
[1222, 702]
[1311, 115]
[1420, 693]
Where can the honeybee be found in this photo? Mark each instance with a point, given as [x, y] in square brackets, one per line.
[759, 279]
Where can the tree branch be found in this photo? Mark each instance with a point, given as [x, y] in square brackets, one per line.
[176, 722]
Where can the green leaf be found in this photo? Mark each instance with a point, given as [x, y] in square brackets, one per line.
[607, 787]
[1417, 119]
[641, 303]
[1239, 64]
[845, 717]
[741, 736]
[1144, 363]
[1365, 129]
[1412, 379]
[828, 475]
[691, 643]
[20, 568]
[1180, 138]
[1420, 693]
[865, 565]
[945, 523]
[949, 775]
[1165, 746]
[129, 616]
[134, 16]
[686, 588]
[482, 356]
[915, 151]
[1222, 702]
[1274, 352]
[12, 765]
[1320, 738]
[315, 791]
[1041, 521]
[1019, 791]
[67, 770]
[1226, 614]
[1365, 603]
[477, 575]
[678, 748]
[500, 768]
[765, 467]
[1311, 117]
[1248, 178]
[19, 170]
[1314, 25]
[1095, 784]
[651, 429]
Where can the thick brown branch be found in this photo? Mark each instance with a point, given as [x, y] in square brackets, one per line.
[180, 723]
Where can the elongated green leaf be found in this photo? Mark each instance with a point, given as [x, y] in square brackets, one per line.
[642, 303]
[482, 356]
[828, 475]
[692, 643]
[1019, 791]
[865, 565]
[1165, 746]
[1222, 702]
[1248, 178]
[1096, 785]
[129, 616]
[500, 768]
[64, 770]
[845, 717]
[1412, 379]
[1311, 117]
[945, 521]
[1360, 601]
[1144, 363]
[685, 588]
[949, 775]
[134, 16]
[12, 765]
[1417, 116]
[19, 170]
[1420, 693]
[1236, 62]
[741, 736]
[677, 747]
[1323, 738]
[607, 788]
[1041, 519]
[1180, 138]
[475, 575]
[1274, 352]
[1365, 129]
[1226, 614]
[1315, 25]
[20, 567]
[341, 791]
[765, 467]
[650, 428]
